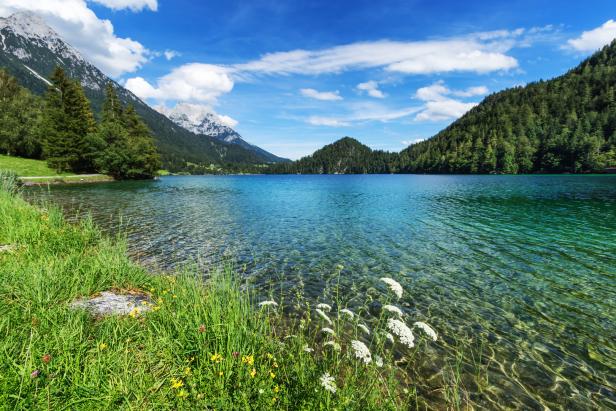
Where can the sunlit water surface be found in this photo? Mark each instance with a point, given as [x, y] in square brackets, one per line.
[519, 272]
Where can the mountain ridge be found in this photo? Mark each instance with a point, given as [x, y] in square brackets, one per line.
[30, 50]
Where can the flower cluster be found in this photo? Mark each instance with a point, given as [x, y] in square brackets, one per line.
[361, 351]
[394, 286]
[403, 332]
[328, 383]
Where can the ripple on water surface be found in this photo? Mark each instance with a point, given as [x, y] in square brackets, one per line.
[517, 271]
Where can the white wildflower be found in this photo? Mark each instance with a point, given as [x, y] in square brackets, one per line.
[378, 361]
[393, 286]
[390, 338]
[332, 344]
[361, 351]
[327, 330]
[393, 309]
[427, 329]
[328, 382]
[323, 316]
[308, 349]
[402, 331]
[268, 303]
[348, 313]
[324, 307]
[364, 328]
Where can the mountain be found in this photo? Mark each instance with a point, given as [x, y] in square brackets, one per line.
[205, 123]
[30, 50]
[567, 124]
[345, 156]
[564, 125]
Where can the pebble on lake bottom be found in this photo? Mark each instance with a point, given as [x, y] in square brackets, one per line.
[111, 303]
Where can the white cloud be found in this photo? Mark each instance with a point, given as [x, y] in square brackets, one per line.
[479, 52]
[361, 113]
[321, 95]
[171, 54]
[81, 28]
[593, 40]
[134, 5]
[440, 106]
[413, 141]
[191, 82]
[196, 113]
[372, 88]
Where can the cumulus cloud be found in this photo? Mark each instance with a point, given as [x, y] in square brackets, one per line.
[170, 54]
[196, 113]
[321, 95]
[194, 82]
[134, 5]
[440, 106]
[479, 52]
[593, 40]
[327, 121]
[93, 37]
[372, 88]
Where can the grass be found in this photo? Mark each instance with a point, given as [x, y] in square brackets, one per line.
[26, 167]
[206, 344]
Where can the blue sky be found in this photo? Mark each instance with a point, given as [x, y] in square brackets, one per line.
[387, 73]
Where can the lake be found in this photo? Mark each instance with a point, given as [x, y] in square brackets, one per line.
[517, 273]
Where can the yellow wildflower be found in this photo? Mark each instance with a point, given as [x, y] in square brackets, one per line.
[175, 384]
[134, 312]
[102, 346]
[156, 308]
[182, 393]
[270, 356]
[276, 389]
[216, 358]
[248, 359]
[275, 364]
[187, 371]
[221, 373]
[175, 296]
[253, 373]
[272, 375]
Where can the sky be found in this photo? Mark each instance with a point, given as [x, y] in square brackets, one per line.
[292, 76]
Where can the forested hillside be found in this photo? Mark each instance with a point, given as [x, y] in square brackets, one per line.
[345, 156]
[567, 124]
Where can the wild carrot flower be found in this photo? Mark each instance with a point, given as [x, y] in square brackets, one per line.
[361, 351]
[378, 361]
[176, 383]
[324, 307]
[348, 313]
[332, 344]
[393, 309]
[363, 328]
[268, 303]
[308, 349]
[328, 383]
[402, 331]
[248, 359]
[324, 316]
[390, 338]
[46, 358]
[327, 330]
[427, 329]
[393, 286]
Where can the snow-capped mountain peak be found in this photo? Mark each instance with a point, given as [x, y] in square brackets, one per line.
[32, 27]
[201, 121]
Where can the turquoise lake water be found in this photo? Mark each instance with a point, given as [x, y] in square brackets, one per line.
[518, 272]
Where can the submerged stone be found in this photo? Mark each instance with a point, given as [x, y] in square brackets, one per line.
[111, 303]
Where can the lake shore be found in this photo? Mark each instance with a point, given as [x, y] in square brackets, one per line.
[201, 344]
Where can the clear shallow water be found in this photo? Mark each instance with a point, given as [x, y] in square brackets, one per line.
[519, 269]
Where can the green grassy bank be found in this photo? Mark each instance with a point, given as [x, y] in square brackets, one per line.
[36, 172]
[204, 345]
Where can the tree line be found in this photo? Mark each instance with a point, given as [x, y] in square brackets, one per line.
[62, 129]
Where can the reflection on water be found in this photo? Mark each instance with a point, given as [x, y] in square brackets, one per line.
[518, 270]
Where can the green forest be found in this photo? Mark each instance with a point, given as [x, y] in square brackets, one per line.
[567, 124]
[61, 128]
